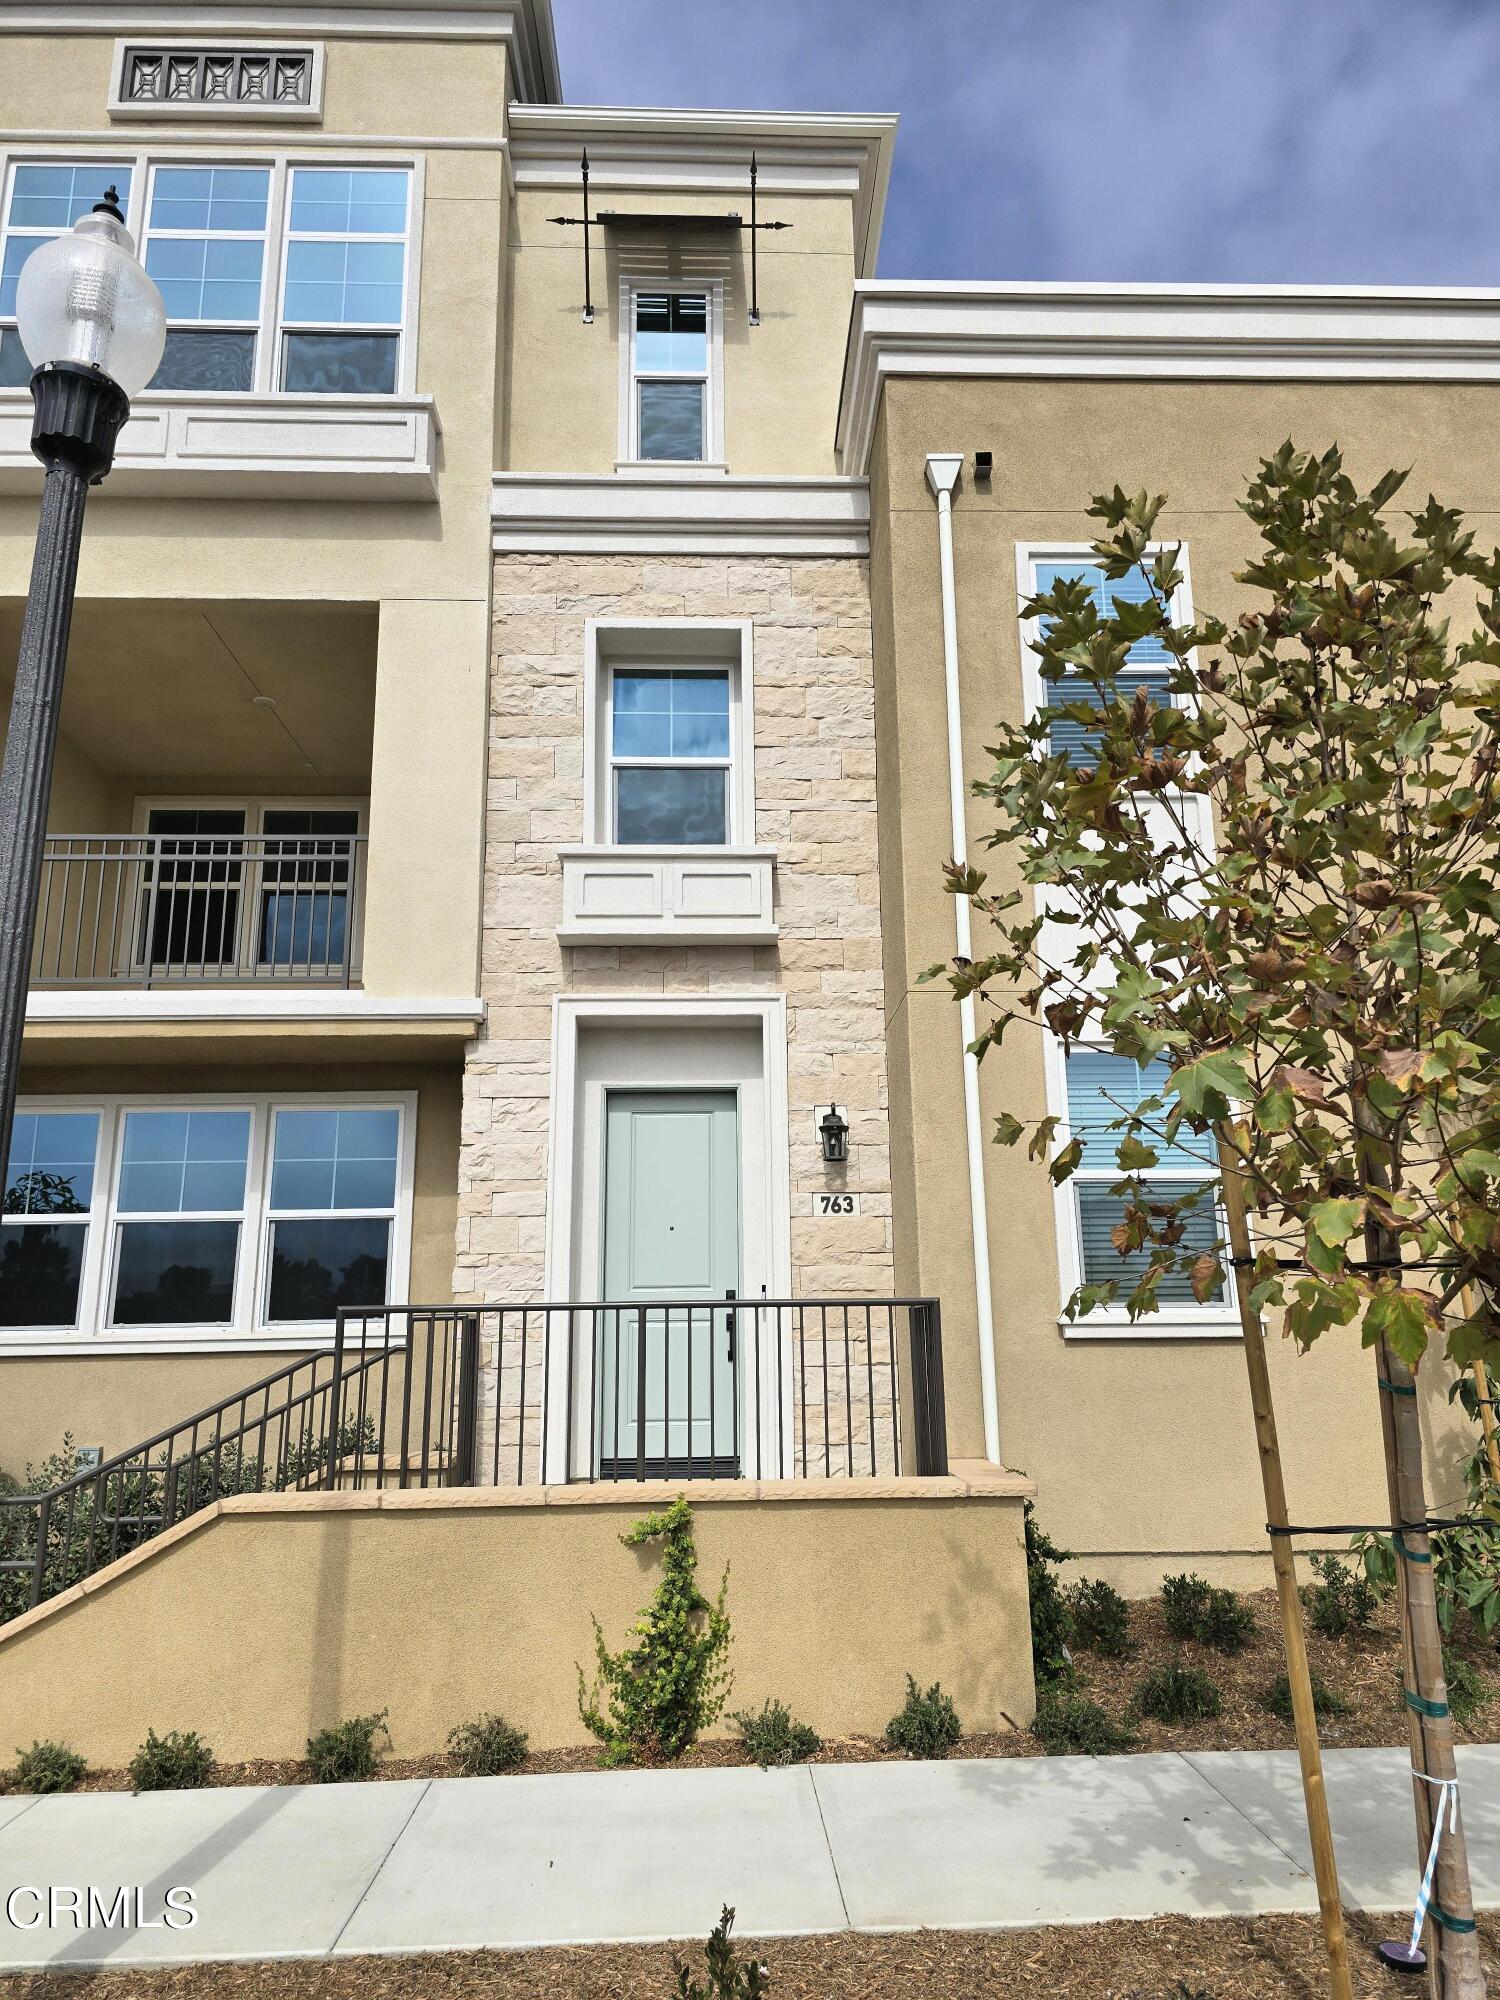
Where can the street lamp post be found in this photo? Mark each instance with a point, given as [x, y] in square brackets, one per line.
[93, 326]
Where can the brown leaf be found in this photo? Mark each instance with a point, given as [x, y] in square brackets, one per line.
[1268, 966]
[1204, 1275]
[1400, 1065]
[1375, 893]
[1304, 1084]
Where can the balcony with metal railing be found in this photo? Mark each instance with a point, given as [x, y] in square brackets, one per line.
[159, 910]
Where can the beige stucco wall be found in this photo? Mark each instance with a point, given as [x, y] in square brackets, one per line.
[118, 1400]
[344, 1604]
[1142, 1448]
[781, 378]
[425, 564]
[815, 802]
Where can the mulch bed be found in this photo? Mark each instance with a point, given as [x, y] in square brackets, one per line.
[1170, 1958]
[1362, 1668]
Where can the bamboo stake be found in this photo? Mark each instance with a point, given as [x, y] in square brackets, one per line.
[1294, 1639]
[1487, 1418]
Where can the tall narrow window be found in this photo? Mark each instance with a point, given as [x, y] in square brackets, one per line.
[670, 756]
[332, 1207]
[205, 245]
[44, 200]
[49, 1195]
[180, 1200]
[670, 374]
[344, 292]
[305, 880]
[1102, 1088]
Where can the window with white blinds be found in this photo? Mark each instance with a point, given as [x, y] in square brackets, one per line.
[1101, 1089]
[1148, 662]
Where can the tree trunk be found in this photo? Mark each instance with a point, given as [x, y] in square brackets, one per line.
[1455, 1969]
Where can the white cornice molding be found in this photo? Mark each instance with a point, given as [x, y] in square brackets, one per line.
[1159, 332]
[709, 151]
[678, 514]
[525, 24]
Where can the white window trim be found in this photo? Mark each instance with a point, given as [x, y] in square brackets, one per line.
[628, 456]
[571, 1014]
[149, 235]
[667, 643]
[270, 327]
[1171, 1322]
[248, 1332]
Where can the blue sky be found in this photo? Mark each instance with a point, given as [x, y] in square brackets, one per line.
[1338, 141]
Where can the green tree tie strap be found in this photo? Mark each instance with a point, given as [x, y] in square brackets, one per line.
[1398, 1541]
[1397, 1388]
[1441, 1917]
[1423, 1706]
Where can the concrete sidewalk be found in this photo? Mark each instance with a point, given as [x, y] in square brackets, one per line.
[305, 1871]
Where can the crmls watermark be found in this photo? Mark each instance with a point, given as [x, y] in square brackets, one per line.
[89, 1909]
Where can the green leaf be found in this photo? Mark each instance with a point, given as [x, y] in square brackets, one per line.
[1401, 1316]
[1206, 1087]
[1334, 1222]
[1008, 1129]
[1274, 1109]
[1132, 1154]
[1063, 1165]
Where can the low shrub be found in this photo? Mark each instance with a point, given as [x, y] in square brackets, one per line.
[1468, 1689]
[487, 1746]
[1183, 1601]
[1178, 1694]
[729, 1976]
[1070, 1725]
[926, 1725]
[1326, 1701]
[1051, 1621]
[651, 1701]
[180, 1761]
[1196, 1609]
[775, 1737]
[1344, 1601]
[49, 1767]
[1101, 1619]
[345, 1753]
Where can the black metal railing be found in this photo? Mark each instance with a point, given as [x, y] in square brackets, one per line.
[675, 1389]
[171, 909]
[308, 1425]
[612, 1391]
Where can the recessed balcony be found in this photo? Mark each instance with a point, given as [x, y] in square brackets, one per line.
[157, 910]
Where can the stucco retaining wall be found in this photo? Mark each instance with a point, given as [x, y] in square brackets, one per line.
[265, 1618]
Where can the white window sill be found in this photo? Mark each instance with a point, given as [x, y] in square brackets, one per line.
[48, 1344]
[674, 468]
[1118, 1325]
[667, 895]
[247, 445]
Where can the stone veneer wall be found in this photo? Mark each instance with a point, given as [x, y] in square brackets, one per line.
[815, 787]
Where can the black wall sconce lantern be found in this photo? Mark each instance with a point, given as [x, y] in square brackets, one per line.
[833, 1130]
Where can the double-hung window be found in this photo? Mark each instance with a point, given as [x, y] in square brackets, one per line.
[205, 245]
[670, 377]
[203, 1219]
[670, 756]
[48, 1209]
[344, 287]
[43, 199]
[1091, 1087]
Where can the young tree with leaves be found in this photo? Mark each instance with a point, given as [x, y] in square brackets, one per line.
[1313, 990]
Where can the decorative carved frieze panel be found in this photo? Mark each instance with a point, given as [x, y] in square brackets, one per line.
[217, 80]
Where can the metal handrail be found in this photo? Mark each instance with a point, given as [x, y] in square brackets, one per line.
[173, 909]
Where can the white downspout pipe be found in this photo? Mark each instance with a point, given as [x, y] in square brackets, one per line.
[943, 469]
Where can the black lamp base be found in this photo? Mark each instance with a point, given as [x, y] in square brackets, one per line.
[79, 415]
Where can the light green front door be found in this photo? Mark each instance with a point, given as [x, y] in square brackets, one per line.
[666, 1395]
